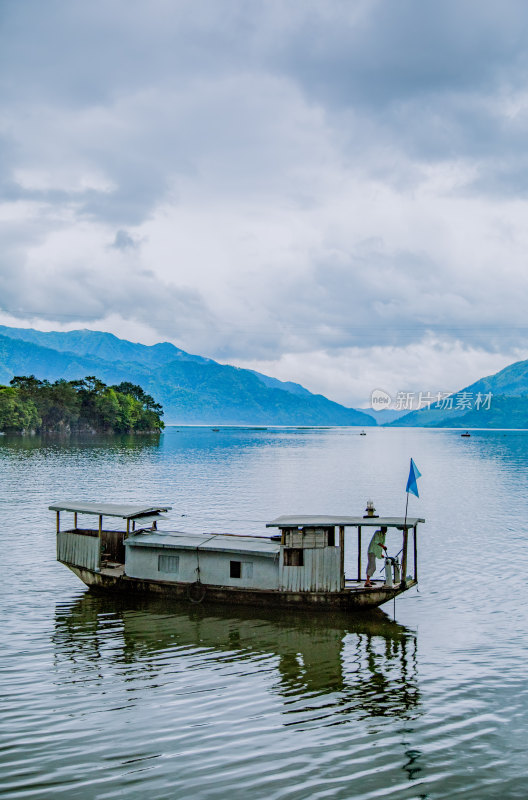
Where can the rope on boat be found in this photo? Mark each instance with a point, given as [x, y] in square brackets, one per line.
[199, 598]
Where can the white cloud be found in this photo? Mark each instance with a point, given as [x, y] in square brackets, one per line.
[62, 180]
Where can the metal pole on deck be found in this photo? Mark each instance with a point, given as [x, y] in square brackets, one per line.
[342, 549]
[404, 556]
[415, 554]
[404, 546]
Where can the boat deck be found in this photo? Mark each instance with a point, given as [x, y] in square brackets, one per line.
[112, 569]
[379, 585]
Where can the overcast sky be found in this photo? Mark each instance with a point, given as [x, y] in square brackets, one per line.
[331, 192]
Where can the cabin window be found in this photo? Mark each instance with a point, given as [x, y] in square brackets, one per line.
[235, 569]
[169, 564]
[293, 557]
[331, 537]
[240, 569]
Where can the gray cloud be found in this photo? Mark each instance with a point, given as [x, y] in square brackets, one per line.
[89, 295]
[380, 53]
[422, 75]
[124, 241]
[378, 298]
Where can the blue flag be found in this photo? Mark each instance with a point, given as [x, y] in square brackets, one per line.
[414, 474]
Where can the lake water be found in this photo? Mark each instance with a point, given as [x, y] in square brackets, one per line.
[121, 698]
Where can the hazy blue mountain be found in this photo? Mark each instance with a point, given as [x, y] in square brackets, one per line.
[111, 348]
[228, 395]
[288, 386]
[103, 345]
[385, 415]
[512, 381]
[191, 389]
[18, 357]
[508, 407]
[505, 412]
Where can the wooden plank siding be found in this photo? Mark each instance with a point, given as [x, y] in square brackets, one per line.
[321, 571]
[78, 549]
[312, 537]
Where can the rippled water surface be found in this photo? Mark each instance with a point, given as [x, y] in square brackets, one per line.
[106, 697]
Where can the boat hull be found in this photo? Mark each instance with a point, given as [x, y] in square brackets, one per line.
[196, 593]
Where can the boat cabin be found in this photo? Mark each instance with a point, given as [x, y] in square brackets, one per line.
[318, 544]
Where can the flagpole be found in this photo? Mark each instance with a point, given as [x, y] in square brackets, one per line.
[407, 501]
[404, 545]
[414, 474]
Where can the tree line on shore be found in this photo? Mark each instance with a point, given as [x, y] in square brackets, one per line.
[32, 405]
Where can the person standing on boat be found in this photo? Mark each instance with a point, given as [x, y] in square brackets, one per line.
[376, 549]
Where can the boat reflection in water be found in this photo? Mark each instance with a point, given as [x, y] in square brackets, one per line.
[342, 666]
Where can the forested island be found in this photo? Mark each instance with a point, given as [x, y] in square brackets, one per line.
[30, 405]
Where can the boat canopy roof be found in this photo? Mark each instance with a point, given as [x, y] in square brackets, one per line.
[356, 522]
[214, 542]
[123, 510]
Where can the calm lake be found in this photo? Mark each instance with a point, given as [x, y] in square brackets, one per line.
[121, 698]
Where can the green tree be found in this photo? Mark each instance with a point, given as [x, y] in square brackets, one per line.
[27, 386]
[107, 409]
[135, 391]
[130, 411]
[17, 415]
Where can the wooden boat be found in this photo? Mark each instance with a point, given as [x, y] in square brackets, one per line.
[302, 566]
[466, 434]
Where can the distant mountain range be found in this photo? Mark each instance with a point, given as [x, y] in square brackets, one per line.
[192, 389]
[497, 401]
[197, 390]
[384, 416]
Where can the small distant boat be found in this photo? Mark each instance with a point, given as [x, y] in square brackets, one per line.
[300, 566]
[466, 434]
[363, 433]
[215, 430]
